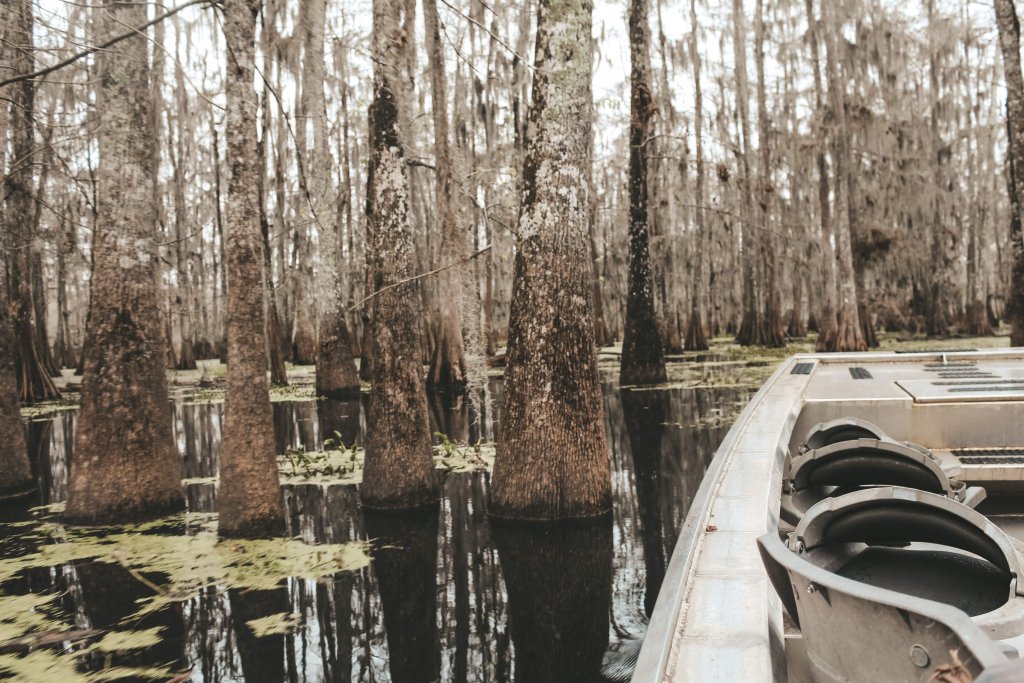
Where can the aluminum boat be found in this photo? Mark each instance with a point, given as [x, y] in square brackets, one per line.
[863, 520]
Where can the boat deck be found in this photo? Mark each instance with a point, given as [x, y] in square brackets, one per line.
[717, 616]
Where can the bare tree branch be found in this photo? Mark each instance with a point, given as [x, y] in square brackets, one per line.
[96, 48]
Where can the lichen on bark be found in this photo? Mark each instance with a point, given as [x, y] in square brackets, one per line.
[552, 460]
[399, 472]
[126, 466]
[249, 499]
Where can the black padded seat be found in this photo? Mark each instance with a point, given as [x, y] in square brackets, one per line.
[886, 537]
[866, 462]
[869, 462]
[891, 522]
[840, 429]
[856, 632]
[966, 582]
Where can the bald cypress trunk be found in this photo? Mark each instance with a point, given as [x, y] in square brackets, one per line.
[773, 332]
[695, 337]
[126, 466]
[335, 367]
[15, 474]
[399, 468]
[643, 358]
[1009, 42]
[448, 365]
[249, 499]
[849, 334]
[827, 316]
[552, 460]
[34, 382]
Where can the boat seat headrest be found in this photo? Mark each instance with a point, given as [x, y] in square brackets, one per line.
[895, 516]
[841, 429]
[869, 462]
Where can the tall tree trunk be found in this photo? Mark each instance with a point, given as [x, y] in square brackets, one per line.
[826, 321]
[335, 369]
[15, 473]
[751, 325]
[448, 364]
[275, 338]
[1009, 43]
[643, 357]
[126, 465]
[695, 337]
[399, 469]
[849, 334]
[552, 456]
[249, 499]
[34, 382]
[773, 333]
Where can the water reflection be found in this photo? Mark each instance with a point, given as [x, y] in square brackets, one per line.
[558, 580]
[448, 596]
[406, 575]
[645, 413]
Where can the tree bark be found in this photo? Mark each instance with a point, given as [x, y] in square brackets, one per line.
[552, 458]
[751, 326]
[826, 320]
[643, 357]
[849, 334]
[126, 465]
[399, 468]
[34, 382]
[773, 334]
[1009, 42]
[335, 368]
[15, 473]
[448, 364]
[249, 499]
[696, 340]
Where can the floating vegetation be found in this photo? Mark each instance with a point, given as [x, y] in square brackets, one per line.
[46, 409]
[24, 614]
[126, 641]
[49, 665]
[344, 465]
[190, 561]
[273, 624]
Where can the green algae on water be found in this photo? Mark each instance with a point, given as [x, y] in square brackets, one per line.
[273, 624]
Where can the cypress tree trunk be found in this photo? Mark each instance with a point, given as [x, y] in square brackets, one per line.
[773, 333]
[552, 458]
[643, 357]
[826, 321]
[335, 367]
[1009, 42]
[399, 469]
[15, 474]
[275, 337]
[126, 465]
[34, 382]
[849, 333]
[695, 337]
[249, 499]
[448, 364]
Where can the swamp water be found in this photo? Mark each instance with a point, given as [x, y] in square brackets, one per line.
[442, 594]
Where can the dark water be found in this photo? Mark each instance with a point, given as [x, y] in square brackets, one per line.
[449, 595]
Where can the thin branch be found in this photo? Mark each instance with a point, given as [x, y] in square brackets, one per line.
[359, 304]
[488, 31]
[110, 43]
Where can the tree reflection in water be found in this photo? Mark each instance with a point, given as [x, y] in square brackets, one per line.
[449, 595]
